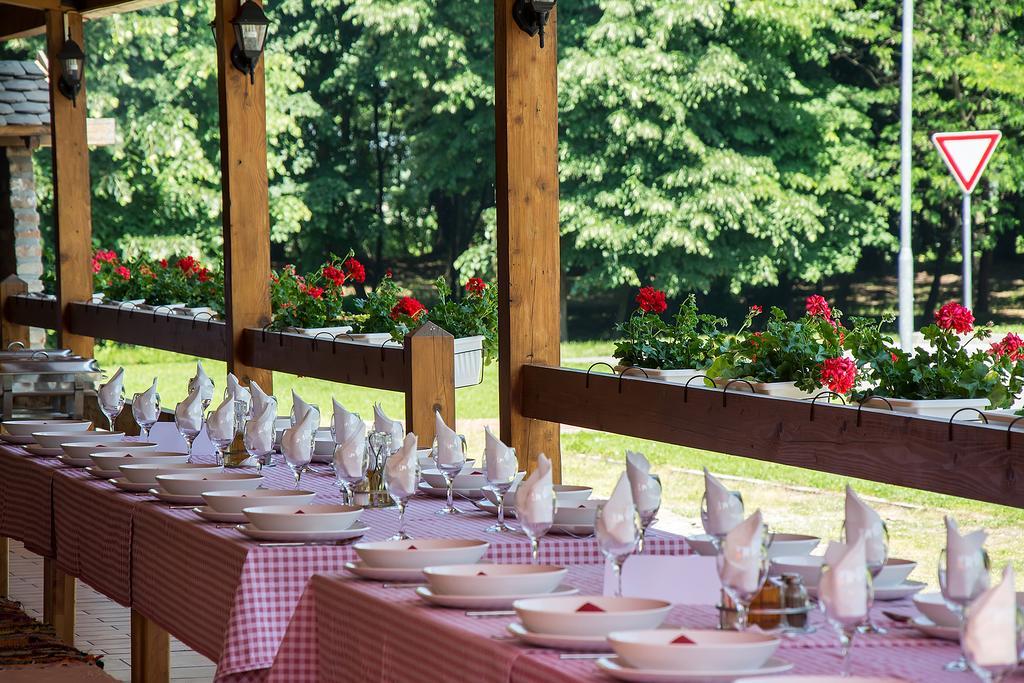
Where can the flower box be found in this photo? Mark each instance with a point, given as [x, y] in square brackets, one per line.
[130, 303]
[374, 338]
[777, 389]
[942, 407]
[1004, 416]
[161, 307]
[469, 361]
[678, 376]
[314, 331]
[193, 311]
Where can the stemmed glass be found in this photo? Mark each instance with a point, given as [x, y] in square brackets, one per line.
[535, 529]
[648, 515]
[111, 406]
[351, 471]
[395, 483]
[615, 547]
[449, 459]
[957, 599]
[146, 413]
[187, 433]
[205, 396]
[258, 440]
[845, 625]
[298, 460]
[735, 568]
[876, 549]
[987, 670]
[710, 527]
[500, 486]
[295, 419]
[220, 435]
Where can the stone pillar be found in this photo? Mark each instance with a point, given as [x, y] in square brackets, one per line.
[21, 241]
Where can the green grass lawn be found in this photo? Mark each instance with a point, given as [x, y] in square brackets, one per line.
[793, 499]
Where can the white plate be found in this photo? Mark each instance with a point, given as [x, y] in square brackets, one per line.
[103, 474]
[43, 452]
[932, 630]
[885, 593]
[572, 529]
[559, 642]
[775, 665]
[211, 515]
[384, 573]
[355, 531]
[473, 494]
[176, 500]
[485, 505]
[486, 601]
[130, 486]
[17, 440]
[74, 462]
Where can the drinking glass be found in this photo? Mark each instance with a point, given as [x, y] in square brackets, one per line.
[295, 419]
[350, 472]
[398, 492]
[299, 460]
[986, 669]
[717, 535]
[222, 436]
[618, 545]
[146, 414]
[648, 515]
[876, 546]
[534, 529]
[454, 456]
[742, 586]
[255, 438]
[207, 396]
[187, 433]
[500, 486]
[957, 599]
[846, 626]
[111, 407]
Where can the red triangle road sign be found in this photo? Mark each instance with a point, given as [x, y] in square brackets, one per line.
[966, 154]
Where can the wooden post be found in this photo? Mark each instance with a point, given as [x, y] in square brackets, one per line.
[243, 163]
[151, 651]
[5, 566]
[59, 601]
[12, 332]
[430, 368]
[72, 207]
[526, 106]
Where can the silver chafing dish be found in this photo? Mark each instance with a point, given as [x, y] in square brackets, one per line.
[45, 383]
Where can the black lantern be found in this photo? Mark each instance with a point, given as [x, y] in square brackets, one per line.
[72, 67]
[250, 34]
[532, 16]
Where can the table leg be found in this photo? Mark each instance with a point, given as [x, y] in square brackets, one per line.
[151, 651]
[5, 566]
[59, 601]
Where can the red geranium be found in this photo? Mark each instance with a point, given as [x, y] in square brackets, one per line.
[817, 306]
[96, 266]
[203, 274]
[315, 292]
[163, 263]
[106, 256]
[651, 300]
[355, 269]
[124, 272]
[334, 275]
[1011, 346]
[475, 285]
[955, 317]
[187, 264]
[408, 306]
[838, 374]
[756, 310]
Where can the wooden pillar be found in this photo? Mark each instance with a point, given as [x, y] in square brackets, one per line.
[151, 651]
[59, 601]
[243, 163]
[5, 567]
[526, 106]
[430, 367]
[12, 332]
[72, 206]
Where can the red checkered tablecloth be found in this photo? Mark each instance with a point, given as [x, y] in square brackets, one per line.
[26, 489]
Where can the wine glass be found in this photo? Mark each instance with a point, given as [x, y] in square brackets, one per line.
[991, 670]
[618, 533]
[846, 624]
[397, 483]
[258, 440]
[500, 482]
[350, 470]
[876, 552]
[712, 525]
[535, 529]
[449, 458]
[295, 418]
[647, 515]
[187, 432]
[298, 459]
[146, 413]
[958, 597]
[221, 435]
[743, 569]
[206, 395]
[111, 406]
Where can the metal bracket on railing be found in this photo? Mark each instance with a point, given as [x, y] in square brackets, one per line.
[156, 310]
[40, 355]
[10, 347]
[382, 357]
[686, 387]
[586, 383]
[334, 345]
[1009, 432]
[317, 337]
[860, 404]
[725, 389]
[263, 333]
[824, 393]
[953, 417]
[209, 319]
[131, 309]
[623, 374]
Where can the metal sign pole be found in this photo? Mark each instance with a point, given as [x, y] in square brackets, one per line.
[906, 255]
[968, 250]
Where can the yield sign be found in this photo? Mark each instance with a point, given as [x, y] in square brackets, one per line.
[967, 154]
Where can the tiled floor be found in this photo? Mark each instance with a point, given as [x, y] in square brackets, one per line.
[101, 625]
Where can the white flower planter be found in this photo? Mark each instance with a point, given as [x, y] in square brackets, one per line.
[777, 389]
[131, 303]
[191, 312]
[161, 307]
[469, 361]
[1004, 416]
[314, 331]
[944, 408]
[678, 376]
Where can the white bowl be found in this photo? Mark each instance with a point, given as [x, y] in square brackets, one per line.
[469, 478]
[561, 616]
[708, 651]
[85, 449]
[564, 493]
[894, 573]
[933, 606]
[807, 567]
[147, 474]
[233, 502]
[110, 460]
[198, 483]
[29, 427]
[53, 439]
[303, 517]
[420, 552]
[583, 512]
[702, 544]
[494, 579]
[792, 544]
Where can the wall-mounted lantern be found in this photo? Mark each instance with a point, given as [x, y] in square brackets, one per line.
[532, 16]
[250, 36]
[72, 69]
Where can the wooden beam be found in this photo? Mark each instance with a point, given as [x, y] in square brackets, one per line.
[430, 368]
[32, 311]
[151, 651]
[246, 216]
[20, 22]
[526, 104]
[72, 203]
[59, 601]
[35, 4]
[11, 332]
[159, 329]
[5, 566]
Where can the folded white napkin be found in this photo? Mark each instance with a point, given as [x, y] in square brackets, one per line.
[260, 399]
[990, 629]
[297, 441]
[346, 423]
[449, 444]
[741, 554]
[844, 588]
[618, 515]
[401, 471]
[203, 381]
[863, 522]
[300, 407]
[646, 489]
[966, 575]
[349, 454]
[725, 511]
[500, 461]
[237, 392]
[259, 431]
[383, 423]
[535, 497]
[189, 413]
[110, 392]
[146, 405]
[220, 423]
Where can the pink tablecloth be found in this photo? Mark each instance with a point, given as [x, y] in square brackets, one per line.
[361, 631]
[26, 492]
